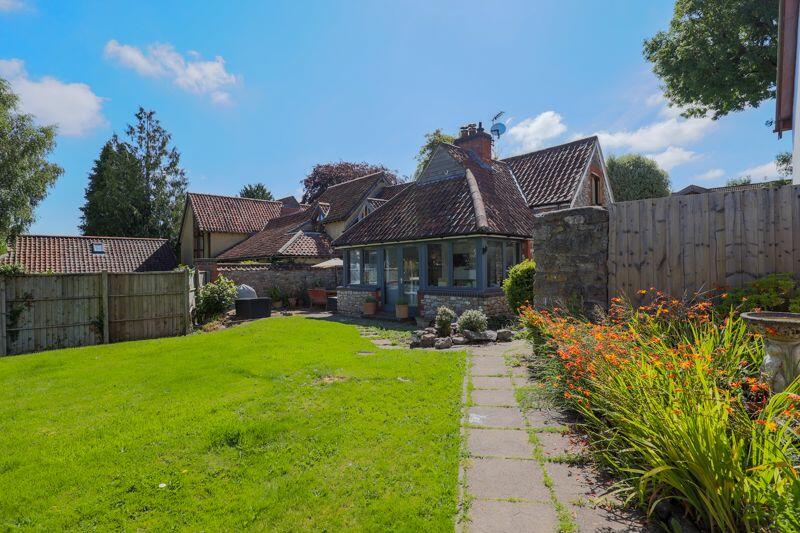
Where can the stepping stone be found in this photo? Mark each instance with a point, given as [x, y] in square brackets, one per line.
[489, 366]
[506, 478]
[495, 417]
[539, 418]
[512, 517]
[499, 443]
[520, 371]
[494, 397]
[481, 382]
[558, 444]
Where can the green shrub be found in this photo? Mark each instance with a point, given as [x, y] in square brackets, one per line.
[215, 298]
[472, 320]
[775, 292]
[518, 286]
[444, 318]
[11, 269]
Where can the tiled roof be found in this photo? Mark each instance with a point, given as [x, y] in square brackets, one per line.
[448, 207]
[551, 176]
[289, 201]
[389, 192]
[697, 189]
[73, 254]
[231, 214]
[346, 196]
[280, 238]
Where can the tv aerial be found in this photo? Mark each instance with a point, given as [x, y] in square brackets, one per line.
[498, 128]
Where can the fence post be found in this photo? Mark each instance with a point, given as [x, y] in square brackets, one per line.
[104, 303]
[3, 347]
[187, 282]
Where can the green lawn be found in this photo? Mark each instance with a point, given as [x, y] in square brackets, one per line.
[280, 424]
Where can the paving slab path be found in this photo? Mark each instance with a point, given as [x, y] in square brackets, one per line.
[523, 471]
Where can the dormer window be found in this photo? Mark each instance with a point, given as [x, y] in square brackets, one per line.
[97, 248]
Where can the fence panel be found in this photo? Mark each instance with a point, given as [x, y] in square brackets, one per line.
[48, 311]
[683, 244]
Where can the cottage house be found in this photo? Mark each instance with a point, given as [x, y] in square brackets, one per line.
[213, 223]
[450, 237]
[305, 235]
[79, 254]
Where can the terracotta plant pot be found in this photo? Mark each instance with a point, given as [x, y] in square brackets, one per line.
[370, 308]
[401, 311]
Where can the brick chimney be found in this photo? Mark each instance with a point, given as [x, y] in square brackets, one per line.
[474, 138]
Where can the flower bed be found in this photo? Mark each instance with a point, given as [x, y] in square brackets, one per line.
[674, 407]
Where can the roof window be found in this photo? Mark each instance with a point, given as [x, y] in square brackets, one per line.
[97, 248]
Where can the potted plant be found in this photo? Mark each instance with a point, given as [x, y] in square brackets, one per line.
[370, 305]
[275, 295]
[401, 308]
[293, 299]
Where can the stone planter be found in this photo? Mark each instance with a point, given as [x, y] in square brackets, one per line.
[401, 311]
[369, 308]
[781, 333]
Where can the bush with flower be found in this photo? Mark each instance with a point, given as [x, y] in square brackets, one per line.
[673, 405]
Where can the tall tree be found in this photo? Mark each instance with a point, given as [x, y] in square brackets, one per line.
[324, 175]
[25, 172]
[717, 56]
[164, 179]
[636, 177]
[432, 140]
[137, 187]
[783, 163]
[257, 191]
[116, 199]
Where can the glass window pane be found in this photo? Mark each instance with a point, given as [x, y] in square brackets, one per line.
[510, 256]
[390, 272]
[410, 274]
[465, 272]
[494, 263]
[355, 267]
[370, 267]
[437, 272]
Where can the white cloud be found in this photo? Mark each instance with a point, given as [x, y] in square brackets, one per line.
[73, 107]
[766, 171]
[709, 175]
[672, 157]
[531, 133]
[12, 5]
[192, 74]
[670, 131]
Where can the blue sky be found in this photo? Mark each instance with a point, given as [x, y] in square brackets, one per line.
[261, 91]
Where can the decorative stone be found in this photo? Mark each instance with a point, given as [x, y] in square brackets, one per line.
[458, 340]
[430, 330]
[781, 333]
[443, 343]
[416, 338]
[504, 335]
[483, 336]
[428, 340]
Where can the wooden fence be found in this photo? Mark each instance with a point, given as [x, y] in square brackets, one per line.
[683, 244]
[48, 311]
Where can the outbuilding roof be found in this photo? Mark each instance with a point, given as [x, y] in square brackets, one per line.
[231, 214]
[80, 254]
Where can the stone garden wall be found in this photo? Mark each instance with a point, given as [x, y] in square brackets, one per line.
[350, 300]
[290, 279]
[492, 304]
[570, 247]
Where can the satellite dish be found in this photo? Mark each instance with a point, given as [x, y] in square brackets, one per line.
[498, 128]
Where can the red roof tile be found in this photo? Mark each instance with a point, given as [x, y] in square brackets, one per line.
[231, 214]
[73, 254]
[387, 193]
[346, 196]
[552, 175]
[280, 238]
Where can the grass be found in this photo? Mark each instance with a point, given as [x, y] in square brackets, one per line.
[279, 424]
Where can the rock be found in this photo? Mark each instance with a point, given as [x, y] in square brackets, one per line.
[454, 327]
[443, 343]
[428, 340]
[483, 336]
[416, 338]
[504, 335]
[458, 340]
[430, 330]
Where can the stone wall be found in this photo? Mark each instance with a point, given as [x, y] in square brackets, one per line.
[493, 304]
[570, 248]
[350, 300]
[290, 279]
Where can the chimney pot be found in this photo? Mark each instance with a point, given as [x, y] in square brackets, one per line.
[472, 137]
